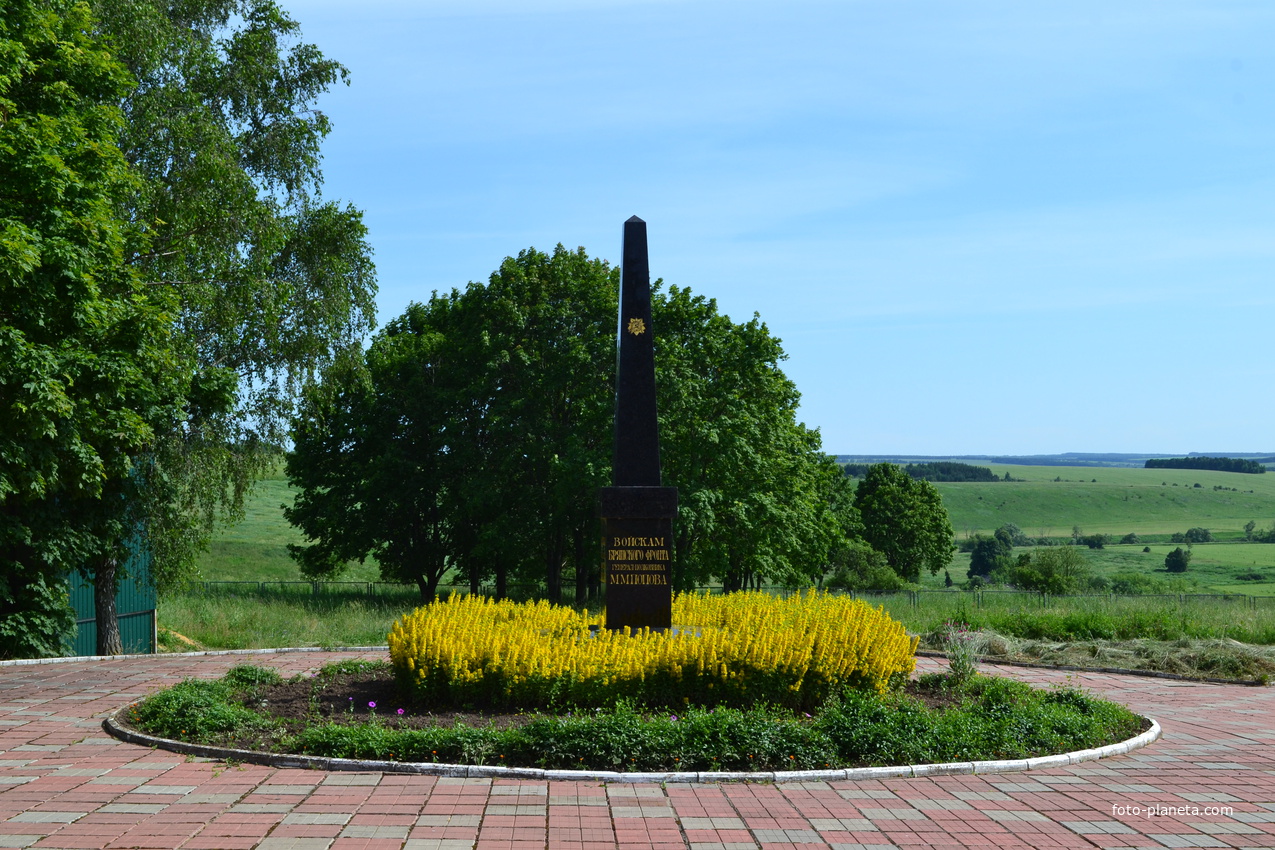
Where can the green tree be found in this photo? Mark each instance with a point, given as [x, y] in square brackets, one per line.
[988, 554]
[500, 450]
[87, 379]
[905, 520]
[268, 280]
[1057, 569]
[857, 566]
[1178, 560]
[1016, 535]
[369, 458]
[759, 502]
[474, 435]
[1198, 535]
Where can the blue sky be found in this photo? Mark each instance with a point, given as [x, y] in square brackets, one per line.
[978, 227]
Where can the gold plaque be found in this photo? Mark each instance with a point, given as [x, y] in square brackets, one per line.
[637, 327]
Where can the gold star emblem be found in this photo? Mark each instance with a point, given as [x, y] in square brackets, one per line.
[637, 327]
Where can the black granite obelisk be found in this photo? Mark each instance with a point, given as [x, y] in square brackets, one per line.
[637, 513]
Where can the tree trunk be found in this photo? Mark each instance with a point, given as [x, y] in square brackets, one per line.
[553, 570]
[108, 621]
[502, 580]
[582, 567]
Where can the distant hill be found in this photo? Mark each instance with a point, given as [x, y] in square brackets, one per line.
[1084, 459]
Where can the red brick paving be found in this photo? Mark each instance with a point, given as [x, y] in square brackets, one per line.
[65, 784]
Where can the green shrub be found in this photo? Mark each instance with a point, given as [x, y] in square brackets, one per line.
[620, 738]
[353, 667]
[1002, 718]
[246, 677]
[1178, 560]
[194, 710]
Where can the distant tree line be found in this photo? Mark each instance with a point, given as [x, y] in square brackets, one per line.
[935, 471]
[1219, 464]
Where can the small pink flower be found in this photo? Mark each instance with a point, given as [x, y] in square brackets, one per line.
[400, 711]
[371, 705]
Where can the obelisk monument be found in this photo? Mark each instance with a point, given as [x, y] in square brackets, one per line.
[637, 512]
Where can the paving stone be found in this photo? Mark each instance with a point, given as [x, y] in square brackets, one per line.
[1217, 751]
[449, 820]
[713, 823]
[1106, 827]
[294, 843]
[47, 817]
[539, 811]
[307, 818]
[399, 832]
[787, 836]
[133, 808]
[352, 779]
[1189, 841]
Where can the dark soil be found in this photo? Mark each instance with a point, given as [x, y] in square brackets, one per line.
[353, 698]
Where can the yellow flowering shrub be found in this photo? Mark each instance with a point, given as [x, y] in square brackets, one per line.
[735, 649]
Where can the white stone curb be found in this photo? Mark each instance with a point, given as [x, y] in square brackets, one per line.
[70, 659]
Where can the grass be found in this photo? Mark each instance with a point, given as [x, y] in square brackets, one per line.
[1018, 614]
[1110, 501]
[1215, 567]
[1120, 501]
[252, 618]
[256, 549]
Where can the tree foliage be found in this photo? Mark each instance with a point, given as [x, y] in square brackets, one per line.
[1056, 570]
[264, 280]
[987, 554]
[1198, 535]
[1178, 560]
[1221, 464]
[270, 280]
[479, 426]
[87, 377]
[904, 519]
[857, 566]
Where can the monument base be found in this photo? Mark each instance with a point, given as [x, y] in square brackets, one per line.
[637, 543]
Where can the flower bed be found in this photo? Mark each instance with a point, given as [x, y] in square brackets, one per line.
[734, 650]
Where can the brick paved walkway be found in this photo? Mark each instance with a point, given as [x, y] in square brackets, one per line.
[65, 784]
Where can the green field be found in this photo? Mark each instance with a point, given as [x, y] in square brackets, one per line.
[256, 548]
[1110, 501]
[1120, 501]
[1176, 633]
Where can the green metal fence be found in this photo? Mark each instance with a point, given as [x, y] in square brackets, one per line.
[135, 604]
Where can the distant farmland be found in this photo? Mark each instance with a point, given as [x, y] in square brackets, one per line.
[1110, 500]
